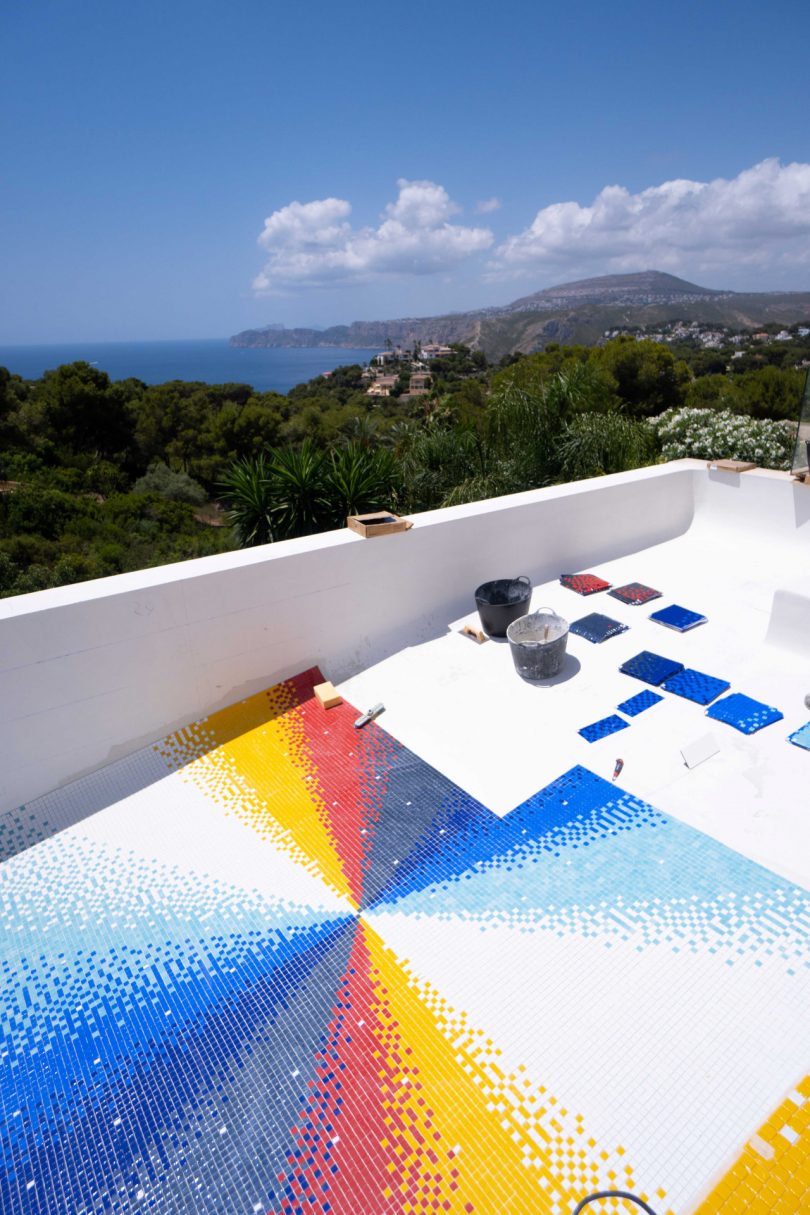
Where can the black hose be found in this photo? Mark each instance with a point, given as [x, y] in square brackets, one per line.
[613, 1194]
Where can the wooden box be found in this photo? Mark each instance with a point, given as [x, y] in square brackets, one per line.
[378, 523]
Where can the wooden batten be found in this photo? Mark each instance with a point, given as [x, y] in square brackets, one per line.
[736, 466]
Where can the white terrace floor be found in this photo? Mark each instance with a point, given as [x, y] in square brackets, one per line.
[461, 706]
[269, 963]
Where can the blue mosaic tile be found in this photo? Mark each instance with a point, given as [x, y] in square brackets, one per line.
[601, 729]
[678, 618]
[595, 627]
[469, 837]
[744, 713]
[694, 685]
[638, 703]
[612, 845]
[801, 737]
[181, 1042]
[650, 668]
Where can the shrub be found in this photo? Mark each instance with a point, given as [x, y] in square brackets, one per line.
[73, 567]
[595, 443]
[179, 486]
[46, 512]
[8, 574]
[35, 578]
[103, 477]
[709, 434]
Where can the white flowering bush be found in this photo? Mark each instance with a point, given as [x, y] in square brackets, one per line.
[712, 434]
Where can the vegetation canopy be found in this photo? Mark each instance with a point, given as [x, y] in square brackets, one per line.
[100, 477]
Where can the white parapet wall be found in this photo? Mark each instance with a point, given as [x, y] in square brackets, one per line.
[94, 671]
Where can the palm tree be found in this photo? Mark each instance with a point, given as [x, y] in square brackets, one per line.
[297, 491]
[300, 503]
[247, 491]
[360, 479]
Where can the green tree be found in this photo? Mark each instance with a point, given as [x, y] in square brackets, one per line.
[532, 371]
[711, 392]
[770, 393]
[82, 411]
[648, 380]
[709, 362]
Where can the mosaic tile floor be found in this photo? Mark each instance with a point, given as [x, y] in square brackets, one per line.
[279, 965]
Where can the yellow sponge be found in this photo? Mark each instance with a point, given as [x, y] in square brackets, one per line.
[328, 695]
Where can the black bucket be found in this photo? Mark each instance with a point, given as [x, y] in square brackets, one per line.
[502, 601]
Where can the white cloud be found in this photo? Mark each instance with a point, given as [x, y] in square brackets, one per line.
[306, 223]
[761, 218]
[314, 243]
[487, 205]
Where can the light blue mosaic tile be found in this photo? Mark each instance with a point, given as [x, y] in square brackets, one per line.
[801, 737]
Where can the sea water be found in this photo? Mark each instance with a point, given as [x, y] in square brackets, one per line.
[210, 361]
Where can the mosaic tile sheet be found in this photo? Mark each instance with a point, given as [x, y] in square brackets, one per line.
[679, 618]
[584, 584]
[650, 668]
[801, 737]
[695, 685]
[744, 713]
[277, 965]
[602, 728]
[638, 703]
[634, 593]
[597, 628]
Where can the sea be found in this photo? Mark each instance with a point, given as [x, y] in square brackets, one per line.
[211, 361]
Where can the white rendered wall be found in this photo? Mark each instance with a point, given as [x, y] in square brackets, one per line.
[92, 672]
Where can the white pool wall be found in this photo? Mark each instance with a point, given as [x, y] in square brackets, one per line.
[92, 672]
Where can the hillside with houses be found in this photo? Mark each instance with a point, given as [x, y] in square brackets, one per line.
[403, 373]
[577, 313]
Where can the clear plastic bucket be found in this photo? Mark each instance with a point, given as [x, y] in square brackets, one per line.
[538, 643]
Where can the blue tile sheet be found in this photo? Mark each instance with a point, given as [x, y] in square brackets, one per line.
[595, 627]
[694, 685]
[650, 668]
[744, 713]
[601, 729]
[638, 703]
[679, 618]
[801, 737]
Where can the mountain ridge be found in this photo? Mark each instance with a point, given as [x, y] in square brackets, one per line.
[575, 312]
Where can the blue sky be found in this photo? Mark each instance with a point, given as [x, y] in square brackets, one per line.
[443, 156]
